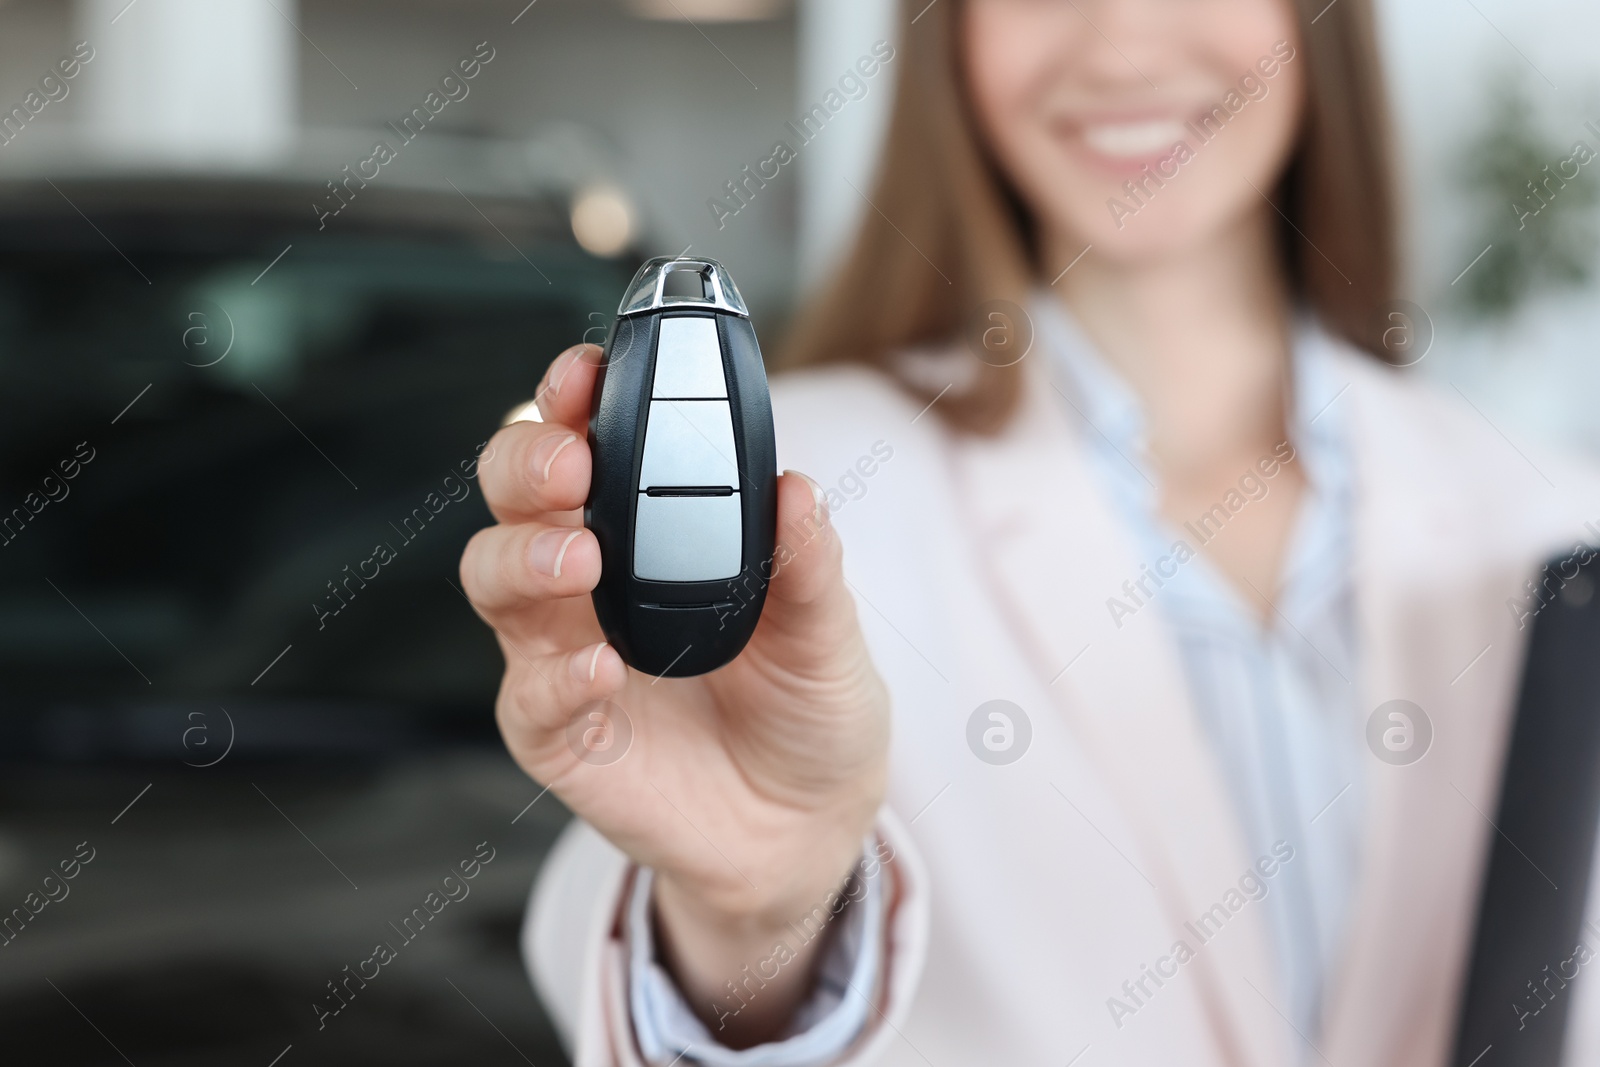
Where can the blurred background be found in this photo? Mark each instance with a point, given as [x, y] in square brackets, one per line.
[241, 346]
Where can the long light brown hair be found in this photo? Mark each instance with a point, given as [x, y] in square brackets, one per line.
[940, 198]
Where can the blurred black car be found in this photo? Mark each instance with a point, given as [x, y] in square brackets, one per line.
[214, 407]
[251, 400]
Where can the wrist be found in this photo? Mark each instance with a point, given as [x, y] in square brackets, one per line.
[744, 910]
[709, 948]
[786, 863]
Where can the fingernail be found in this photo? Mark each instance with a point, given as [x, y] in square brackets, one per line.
[549, 549]
[584, 661]
[544, 456]
[559, 369]
[819, 499]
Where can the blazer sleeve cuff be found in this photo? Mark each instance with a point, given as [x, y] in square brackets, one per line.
[667, 1029]
[623, 1011]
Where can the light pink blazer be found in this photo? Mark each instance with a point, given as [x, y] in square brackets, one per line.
[1025, 895]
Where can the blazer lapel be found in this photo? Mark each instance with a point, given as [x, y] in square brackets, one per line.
[1056, 553]
[1431, 587]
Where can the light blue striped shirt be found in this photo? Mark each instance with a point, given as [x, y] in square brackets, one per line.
[1274, 698]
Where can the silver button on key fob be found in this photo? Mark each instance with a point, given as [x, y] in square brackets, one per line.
[684, 495]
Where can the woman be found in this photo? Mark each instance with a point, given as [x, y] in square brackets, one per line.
[1128, 572]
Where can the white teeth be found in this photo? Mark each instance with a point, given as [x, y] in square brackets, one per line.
[1133, 139]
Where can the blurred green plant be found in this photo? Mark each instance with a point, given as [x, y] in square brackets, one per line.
[1540, 222]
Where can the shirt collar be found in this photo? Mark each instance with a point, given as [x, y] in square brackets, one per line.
[1113, 426]
[1111, 410]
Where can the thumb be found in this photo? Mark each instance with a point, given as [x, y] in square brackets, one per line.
[807, 600]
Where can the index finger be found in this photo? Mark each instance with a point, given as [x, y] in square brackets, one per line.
[568, 385]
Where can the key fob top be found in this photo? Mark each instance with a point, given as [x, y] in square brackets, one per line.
[684, 495]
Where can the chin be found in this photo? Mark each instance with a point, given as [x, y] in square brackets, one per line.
[1157, 231]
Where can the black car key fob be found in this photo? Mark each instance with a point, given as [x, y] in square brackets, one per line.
[684, 494]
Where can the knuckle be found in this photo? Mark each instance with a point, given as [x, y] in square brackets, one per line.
[511, 708]
[527, 700]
